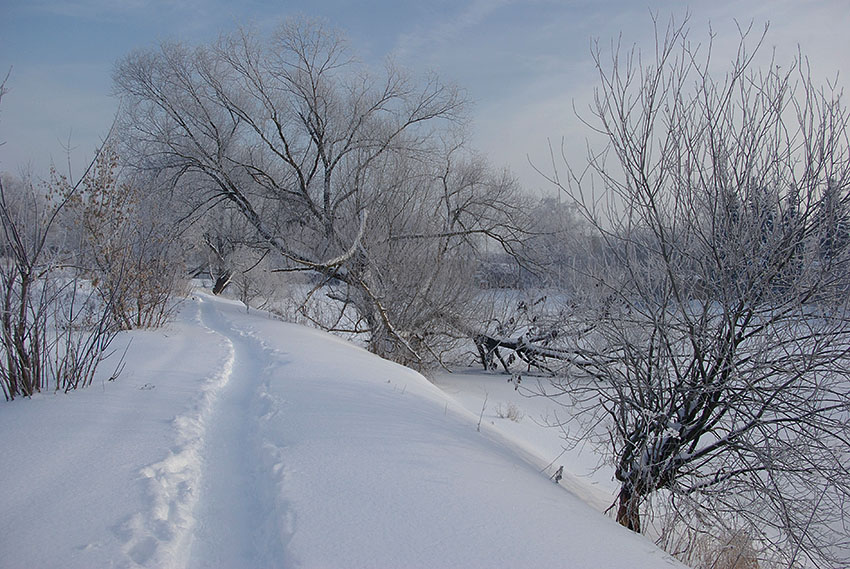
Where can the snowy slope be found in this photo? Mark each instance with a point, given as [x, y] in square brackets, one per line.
[233, 440]
[533, 430]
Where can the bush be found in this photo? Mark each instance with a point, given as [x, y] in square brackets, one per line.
[52, 332]
[128, 246]
[509, 411]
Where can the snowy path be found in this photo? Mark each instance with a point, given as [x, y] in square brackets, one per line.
[234, 514]
[359, 462]
[234, 440]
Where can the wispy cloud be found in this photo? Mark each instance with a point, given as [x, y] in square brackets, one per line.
[447, 28]
[524, 62]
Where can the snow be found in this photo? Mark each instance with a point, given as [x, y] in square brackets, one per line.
[234, 440]
[537, 435]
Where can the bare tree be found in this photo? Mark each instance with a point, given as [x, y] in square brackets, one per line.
[53, 331]
[717, 348]
[323, 158]
[223, 238]
[128, 243]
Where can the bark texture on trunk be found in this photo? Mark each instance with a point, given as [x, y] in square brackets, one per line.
[628, 514]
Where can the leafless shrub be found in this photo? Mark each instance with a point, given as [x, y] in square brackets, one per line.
[129, 247]
[728, 551]
[509, 411]
[53, 332]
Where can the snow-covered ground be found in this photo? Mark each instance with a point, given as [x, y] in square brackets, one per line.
[233, 440]
[534, 427]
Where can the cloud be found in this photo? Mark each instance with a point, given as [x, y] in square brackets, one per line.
[430, 36]
[548, 69]
[523, 62]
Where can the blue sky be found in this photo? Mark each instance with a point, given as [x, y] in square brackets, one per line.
[523, 63]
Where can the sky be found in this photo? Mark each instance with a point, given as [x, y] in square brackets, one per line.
[525, 65]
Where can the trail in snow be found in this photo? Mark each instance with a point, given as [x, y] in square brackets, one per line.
[107, 476]
[236, 516]
[367, 464]
[160, 534]
[233, 440]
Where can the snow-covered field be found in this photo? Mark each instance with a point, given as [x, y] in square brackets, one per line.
[234, 440]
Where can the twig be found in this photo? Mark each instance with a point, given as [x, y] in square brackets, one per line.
[481, 416]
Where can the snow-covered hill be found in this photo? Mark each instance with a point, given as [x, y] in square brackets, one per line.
[233, 440]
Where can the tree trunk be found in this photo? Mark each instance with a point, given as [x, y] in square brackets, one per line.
[221, 283]
[628, 514]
